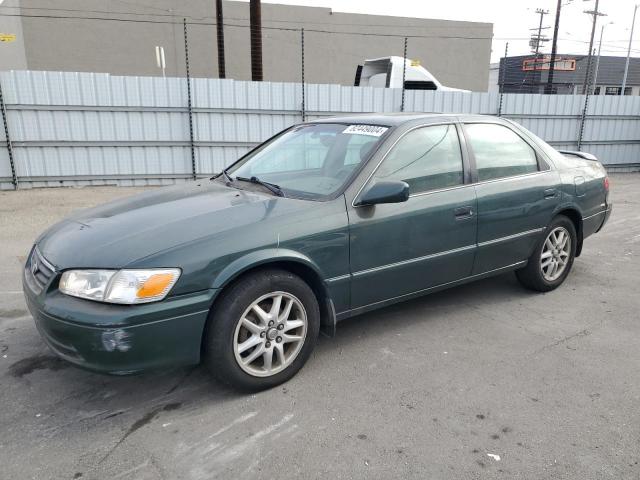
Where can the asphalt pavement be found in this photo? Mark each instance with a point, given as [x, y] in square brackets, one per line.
[486, 380]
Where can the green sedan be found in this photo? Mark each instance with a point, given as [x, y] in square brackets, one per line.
[324, 221]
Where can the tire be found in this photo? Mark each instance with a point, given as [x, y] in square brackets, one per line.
[239, 339]
[534, 276]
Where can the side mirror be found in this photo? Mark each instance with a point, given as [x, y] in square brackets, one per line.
[385, 191]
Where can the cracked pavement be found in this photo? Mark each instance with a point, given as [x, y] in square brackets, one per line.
[486, 380]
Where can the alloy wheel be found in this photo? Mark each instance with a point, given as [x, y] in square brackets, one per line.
[270, 334]
[555, 254]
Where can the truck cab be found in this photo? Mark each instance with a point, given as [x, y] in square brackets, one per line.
[387, 72]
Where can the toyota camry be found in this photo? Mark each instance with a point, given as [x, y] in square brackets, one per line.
[326, 220]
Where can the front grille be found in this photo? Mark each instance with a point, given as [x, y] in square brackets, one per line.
[38, 271]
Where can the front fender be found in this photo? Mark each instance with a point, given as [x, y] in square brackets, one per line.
[262, 257]
[277, 255]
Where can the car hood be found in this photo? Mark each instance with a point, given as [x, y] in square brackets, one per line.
[123, 231]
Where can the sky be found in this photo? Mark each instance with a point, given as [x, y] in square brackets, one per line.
[512, 20]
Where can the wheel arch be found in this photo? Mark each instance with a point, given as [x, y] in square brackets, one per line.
[573, 214]
[288, 260]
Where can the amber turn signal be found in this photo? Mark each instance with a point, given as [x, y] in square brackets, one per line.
[155, 285]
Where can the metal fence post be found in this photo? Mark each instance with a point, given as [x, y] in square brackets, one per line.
[583, 119]
[304, 106]
[14, 178]
[501, 80]
[404, 72]
[190, 107]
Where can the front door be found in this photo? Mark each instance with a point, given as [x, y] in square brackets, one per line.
[398, 249]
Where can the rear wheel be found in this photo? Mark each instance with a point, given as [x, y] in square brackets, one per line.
[552, 259]
[262, 330]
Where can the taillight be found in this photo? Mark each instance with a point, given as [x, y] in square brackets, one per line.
[606, 184]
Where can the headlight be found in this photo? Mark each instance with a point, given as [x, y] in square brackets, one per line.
[119, 286]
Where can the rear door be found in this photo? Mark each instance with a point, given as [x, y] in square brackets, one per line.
[397, 249]
[517, 194]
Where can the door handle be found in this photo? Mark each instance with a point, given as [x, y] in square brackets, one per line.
[550, 193]
[463, 212]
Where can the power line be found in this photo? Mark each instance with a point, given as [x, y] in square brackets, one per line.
[136, 4]
[349, 24]
[130, 20]
[290, 29]
[126, 20]
[48, 9]
[182, 14]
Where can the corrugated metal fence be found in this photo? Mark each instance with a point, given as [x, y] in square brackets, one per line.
[86, 128]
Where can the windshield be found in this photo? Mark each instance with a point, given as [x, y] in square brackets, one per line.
[310, 161]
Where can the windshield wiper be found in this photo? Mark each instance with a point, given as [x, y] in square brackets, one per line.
[272, 187]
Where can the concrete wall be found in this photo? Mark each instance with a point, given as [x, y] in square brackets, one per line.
[12, 54]
[120, 38]
[494, 78]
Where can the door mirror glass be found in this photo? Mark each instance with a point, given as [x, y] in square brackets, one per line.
[384, 191]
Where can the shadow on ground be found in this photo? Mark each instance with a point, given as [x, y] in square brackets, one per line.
[113, 396]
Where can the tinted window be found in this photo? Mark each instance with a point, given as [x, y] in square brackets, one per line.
[499, 152]
[427, 158]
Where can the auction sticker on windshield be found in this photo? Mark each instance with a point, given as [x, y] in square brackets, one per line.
[371, 130]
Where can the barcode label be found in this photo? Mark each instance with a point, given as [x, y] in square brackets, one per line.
[371, 130]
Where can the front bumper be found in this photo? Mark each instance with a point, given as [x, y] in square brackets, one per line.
[121, 339]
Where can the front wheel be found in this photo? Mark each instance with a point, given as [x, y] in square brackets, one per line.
[551, 261]
[262, 330]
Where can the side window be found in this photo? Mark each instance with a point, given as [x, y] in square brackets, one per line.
[427, 158]
[499, 152]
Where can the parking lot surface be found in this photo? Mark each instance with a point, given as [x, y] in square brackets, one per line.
[486, 380]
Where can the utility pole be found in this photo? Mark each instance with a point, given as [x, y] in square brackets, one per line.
[587, 75]
[255, 25]
[535, 42]
[220, 31]
[626, 65]
[538, 39]
[554, 49]
[595, 75]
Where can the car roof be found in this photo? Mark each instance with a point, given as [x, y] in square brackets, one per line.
[397, 119]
